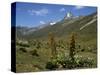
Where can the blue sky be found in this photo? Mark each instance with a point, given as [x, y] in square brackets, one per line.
[35, 14]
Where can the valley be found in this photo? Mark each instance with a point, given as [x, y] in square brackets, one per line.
[34, 52]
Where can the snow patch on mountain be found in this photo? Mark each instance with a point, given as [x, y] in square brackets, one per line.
[52, 23]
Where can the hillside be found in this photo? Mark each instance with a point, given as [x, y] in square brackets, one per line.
[33, 53]
[85, 26]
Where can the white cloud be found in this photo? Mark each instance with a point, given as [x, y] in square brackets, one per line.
[62, 9]
[40, 12]
[79, 7]
[42, 22]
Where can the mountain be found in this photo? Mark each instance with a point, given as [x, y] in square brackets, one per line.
[21, 31]
[84, 26]
[24, 31]
[68, 15]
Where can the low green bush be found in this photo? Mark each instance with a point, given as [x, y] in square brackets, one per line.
[51, 65]
[23, 44]
[34, 52]
[23, 49]
[82, 62]
[65, 62]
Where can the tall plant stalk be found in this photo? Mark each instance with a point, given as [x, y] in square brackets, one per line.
[72, 47]
[52, 44]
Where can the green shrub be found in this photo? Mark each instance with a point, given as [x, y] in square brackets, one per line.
[52, 44]
[51, 65]
[23, 49]
[62, 62]
[82, 62]
[34, 52]
[82, 50]
[24, 44]
[38, 45]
